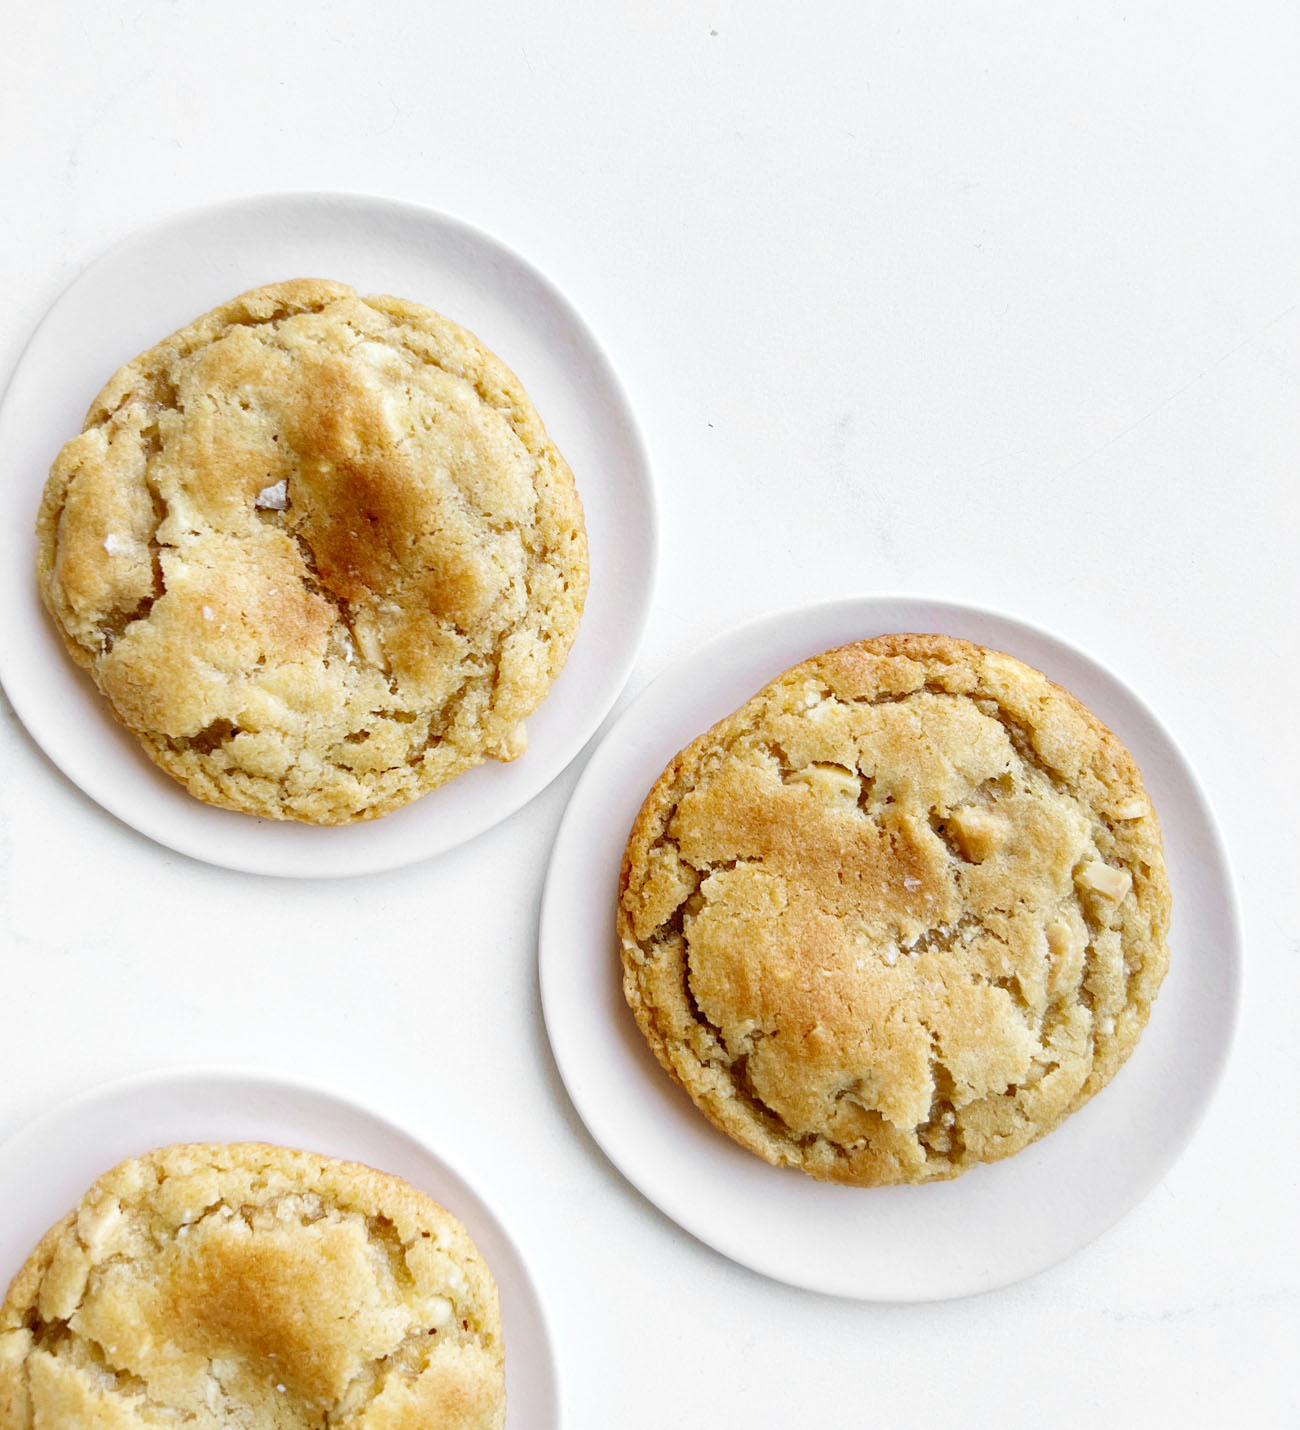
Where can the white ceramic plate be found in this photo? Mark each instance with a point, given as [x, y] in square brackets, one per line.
[991, 1226]
[45, 1169]
[162, 278]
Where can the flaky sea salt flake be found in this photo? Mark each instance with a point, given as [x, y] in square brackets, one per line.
[275, 497]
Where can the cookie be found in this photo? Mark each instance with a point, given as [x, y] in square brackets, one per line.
[901, 913]
[250, 1285]
[318, 553]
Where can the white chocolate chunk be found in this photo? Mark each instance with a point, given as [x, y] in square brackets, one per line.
[1060, 941]
[1066, 945]
[1102, 879]
[977, 832]
[97, 1222]
[829, 782]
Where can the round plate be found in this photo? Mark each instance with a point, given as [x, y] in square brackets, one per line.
[996, 1223]
[46, 1168]
[161, 279]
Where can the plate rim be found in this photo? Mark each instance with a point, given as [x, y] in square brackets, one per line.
[822, 611]
[155, 1079]
[287, 863]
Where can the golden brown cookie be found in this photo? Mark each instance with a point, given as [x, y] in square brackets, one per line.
[317, 551]
[901, 913]
[252, 1286]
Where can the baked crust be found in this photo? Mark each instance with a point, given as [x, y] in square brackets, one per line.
[251, 1285]
[317, 551]
[901, 913]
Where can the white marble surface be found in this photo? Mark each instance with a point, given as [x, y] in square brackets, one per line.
[995, 302]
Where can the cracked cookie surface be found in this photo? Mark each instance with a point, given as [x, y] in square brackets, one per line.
[901, 913]
[317, 551]
[252, 1286]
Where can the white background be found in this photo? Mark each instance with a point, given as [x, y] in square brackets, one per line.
[993, 302]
